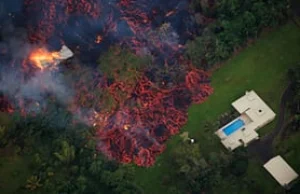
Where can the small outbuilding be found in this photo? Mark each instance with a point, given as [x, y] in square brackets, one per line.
[281, 171]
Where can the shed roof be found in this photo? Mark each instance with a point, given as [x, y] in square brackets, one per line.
[281, 171]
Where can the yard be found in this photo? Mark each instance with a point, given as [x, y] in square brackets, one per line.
[261, 67]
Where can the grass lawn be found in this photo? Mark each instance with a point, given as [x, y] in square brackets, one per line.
[289, 148]
[261, 67]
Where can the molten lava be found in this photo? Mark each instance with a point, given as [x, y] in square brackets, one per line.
[126, 127]
[99, 39]
[137, 133]
[133, 117]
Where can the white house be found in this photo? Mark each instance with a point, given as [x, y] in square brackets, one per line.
[254, 114]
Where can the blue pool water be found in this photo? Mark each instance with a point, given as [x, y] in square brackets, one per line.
[233, 127]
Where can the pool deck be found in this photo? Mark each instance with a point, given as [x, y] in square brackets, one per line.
[255, 113]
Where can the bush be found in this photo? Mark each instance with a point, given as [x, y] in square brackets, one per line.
[239, 167]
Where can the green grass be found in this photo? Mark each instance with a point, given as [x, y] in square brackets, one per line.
[289, 149]
[237, 185]
[261, 67]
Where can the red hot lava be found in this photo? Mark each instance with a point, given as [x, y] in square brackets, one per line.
[138, 133]
[147, 112]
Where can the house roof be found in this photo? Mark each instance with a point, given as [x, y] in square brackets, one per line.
[255, 113]
[281, 171]
[255, 108]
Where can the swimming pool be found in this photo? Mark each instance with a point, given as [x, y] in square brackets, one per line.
[233, 127]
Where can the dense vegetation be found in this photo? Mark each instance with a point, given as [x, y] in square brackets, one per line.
[40, 156]
[229, 25]
[61, 160]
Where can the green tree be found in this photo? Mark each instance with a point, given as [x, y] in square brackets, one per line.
[223, 51]
[3, 132]
[120, 61]
[96, 167]
[187, 157]
[235, 22]
[228, 8]
[121, 180]
[66, 154]
[250, 28]
[202, 51]
[81, 184]
[33, 183]
[239, 164]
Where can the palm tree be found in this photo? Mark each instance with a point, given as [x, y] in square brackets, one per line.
[66, 154]
[33, 183]
[96, 167]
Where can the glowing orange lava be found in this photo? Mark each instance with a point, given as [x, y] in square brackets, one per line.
[126, 127]
[98, 39]
[43, 58]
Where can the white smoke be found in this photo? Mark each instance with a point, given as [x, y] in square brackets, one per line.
[35, 88]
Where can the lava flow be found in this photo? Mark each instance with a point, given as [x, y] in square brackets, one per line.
[135, 114]
[145, 115]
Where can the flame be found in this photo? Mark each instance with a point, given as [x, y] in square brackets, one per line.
[41, 56]
[99, 39]
[126, 127]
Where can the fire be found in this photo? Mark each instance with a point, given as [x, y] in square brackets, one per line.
[126, 127]
[99, 39]
[43, 58]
